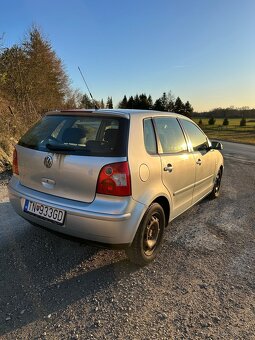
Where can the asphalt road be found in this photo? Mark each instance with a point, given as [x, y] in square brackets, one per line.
[202, 285]
[242, 152]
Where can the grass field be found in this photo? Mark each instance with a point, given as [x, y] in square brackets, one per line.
[232, 132]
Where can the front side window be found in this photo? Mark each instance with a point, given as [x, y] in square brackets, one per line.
[149, 137]
[170, 135]
[197, 137]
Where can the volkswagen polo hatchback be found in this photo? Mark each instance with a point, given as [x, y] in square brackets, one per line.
[117, 177]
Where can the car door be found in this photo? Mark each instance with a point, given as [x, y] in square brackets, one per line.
[178, 165]
[204, 159]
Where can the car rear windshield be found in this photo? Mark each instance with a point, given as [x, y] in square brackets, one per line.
[85, 135]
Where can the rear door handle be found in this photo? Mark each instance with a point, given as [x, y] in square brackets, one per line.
[199, 162]
[168, 168]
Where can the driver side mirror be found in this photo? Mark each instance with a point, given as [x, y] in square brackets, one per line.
[216, 145]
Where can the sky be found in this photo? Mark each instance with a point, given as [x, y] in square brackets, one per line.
[201, 50]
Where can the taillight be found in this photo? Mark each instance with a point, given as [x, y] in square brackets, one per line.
[15, 167]
[114, 179]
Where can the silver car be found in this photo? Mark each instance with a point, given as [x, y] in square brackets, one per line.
[117, 177]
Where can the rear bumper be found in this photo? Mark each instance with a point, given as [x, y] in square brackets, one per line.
[110, 220]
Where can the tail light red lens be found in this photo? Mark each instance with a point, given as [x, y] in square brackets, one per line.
[114, 179]
[15, 167]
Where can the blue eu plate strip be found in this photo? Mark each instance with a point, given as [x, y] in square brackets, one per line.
[26, 205]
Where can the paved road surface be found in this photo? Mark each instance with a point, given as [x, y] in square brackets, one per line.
[242, 152]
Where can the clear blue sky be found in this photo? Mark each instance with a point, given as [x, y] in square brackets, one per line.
[201, 50]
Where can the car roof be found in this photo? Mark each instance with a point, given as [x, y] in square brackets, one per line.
[125, 113]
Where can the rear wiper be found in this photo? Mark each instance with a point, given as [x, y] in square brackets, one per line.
[63, 147]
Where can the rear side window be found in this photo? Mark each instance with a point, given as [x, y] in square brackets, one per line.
[87, 135]
[149, 137]
[197, 137]
[170, 135]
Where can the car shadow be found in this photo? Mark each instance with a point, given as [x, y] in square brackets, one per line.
[42, 273]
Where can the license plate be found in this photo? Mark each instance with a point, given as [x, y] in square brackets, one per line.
[45, 211]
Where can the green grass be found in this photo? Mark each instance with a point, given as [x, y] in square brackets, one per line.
[232, 132]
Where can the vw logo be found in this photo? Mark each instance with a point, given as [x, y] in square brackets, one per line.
[48, 161]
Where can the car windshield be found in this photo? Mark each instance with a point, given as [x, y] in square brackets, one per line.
[85, 135]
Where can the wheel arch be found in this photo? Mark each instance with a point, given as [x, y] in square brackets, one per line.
[163, 201]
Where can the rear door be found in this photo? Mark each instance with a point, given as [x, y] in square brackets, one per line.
[63, 155]
[178, 165]
[204, 159]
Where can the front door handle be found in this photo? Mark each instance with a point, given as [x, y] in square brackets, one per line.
[199, 162]
[168, 168]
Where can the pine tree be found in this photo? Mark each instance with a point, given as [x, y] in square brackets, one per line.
[158, 106]
[164, 102]
[136, 104]
[109, 104]
[33, 79]
[179, 107]
[188, 109]
[143, 102]
[150, 102]
[48, 83]
[123, 103]
[130, 103]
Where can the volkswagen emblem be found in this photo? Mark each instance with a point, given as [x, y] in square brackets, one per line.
[48, 161]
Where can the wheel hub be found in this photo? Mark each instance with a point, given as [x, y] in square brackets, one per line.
[151, 235]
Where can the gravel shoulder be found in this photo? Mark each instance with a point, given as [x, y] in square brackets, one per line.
[202, 285]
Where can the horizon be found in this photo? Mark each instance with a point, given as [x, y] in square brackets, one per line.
[200, 51]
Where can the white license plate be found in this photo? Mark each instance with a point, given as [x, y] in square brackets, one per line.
[45, 211]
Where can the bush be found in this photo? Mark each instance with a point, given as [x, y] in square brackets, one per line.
[243, 122]
[225, 121]
[211, 121]
[200, 122]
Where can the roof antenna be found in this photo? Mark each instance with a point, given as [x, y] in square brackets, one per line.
[96, 107]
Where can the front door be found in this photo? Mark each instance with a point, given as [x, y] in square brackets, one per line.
[178, 165]
[204, 160]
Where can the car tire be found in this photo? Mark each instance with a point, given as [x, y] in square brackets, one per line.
[149, 235]
[216, 188]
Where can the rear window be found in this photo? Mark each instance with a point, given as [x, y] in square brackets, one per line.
[87, 135]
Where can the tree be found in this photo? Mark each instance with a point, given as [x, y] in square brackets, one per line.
[130, 103]
[164, 102]
[150, 102]
[73, 99]
[179, 107]
[86, 102]
[243, 122]
[13, 79]
[225, 121]
[136, 103]
[102, 104]
[158, 106]
[211, 120]
[109, 104]
[123, 103]
[143, 102]
[46, 79]
[188, 109]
